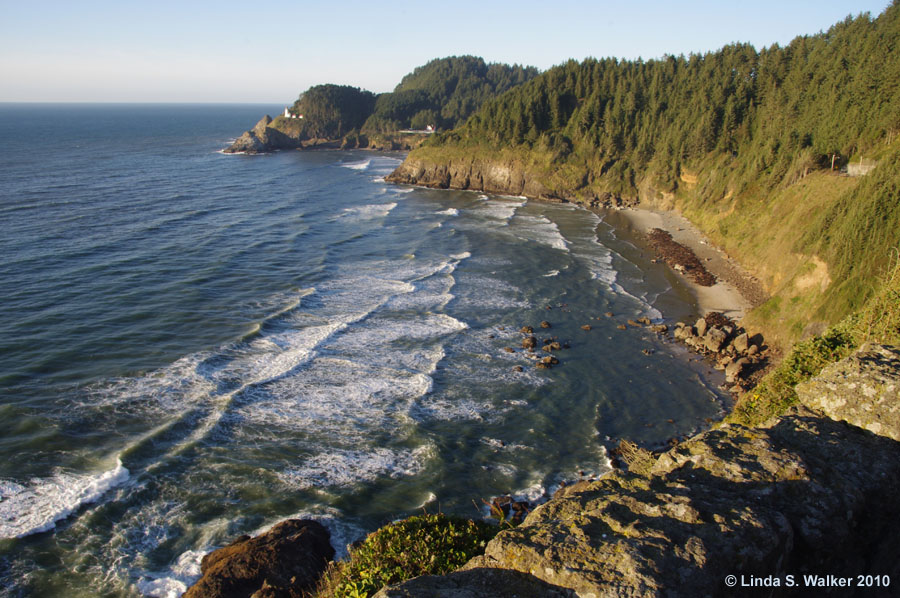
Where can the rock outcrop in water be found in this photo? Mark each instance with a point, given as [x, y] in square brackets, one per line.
[263, 138]
[284, 562]
[270, 135]
[801, 495]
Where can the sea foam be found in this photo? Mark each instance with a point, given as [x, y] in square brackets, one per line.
[37, 507]
[357, 165]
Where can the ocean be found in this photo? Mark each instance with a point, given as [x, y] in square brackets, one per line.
[196, 345]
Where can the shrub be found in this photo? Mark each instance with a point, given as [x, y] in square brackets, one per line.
[419, 545]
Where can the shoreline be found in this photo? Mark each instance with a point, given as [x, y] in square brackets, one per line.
[735, 292]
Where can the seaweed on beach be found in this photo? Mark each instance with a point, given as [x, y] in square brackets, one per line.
[679, 257]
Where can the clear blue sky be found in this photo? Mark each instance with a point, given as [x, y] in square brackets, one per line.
[269, 51]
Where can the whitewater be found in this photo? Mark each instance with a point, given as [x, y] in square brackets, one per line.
[196, 346]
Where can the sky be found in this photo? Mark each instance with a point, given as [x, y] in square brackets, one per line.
[271, 50]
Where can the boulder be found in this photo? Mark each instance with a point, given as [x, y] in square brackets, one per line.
[741, 343]
[683, 333]
[529, 343]
[289, 559]
[862, 389]
[714, 339]
[733, 370]
[545, 324]
[700, 326]
[526, 330]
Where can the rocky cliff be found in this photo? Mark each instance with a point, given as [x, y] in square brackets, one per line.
[507, 177]
[511, 174]
[804, 496]
[863, 389]
[270, 135]
[262, 138]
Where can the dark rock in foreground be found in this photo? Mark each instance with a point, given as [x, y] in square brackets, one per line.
[288, 559]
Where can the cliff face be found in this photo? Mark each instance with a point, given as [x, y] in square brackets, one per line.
[501, 175]
[801, 495]
[508, 177]
[263, 138]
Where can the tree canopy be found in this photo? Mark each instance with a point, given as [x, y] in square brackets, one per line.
[781, 109]
[443, 93]
[332, 111]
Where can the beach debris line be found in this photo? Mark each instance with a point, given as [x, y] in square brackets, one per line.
[679, 257]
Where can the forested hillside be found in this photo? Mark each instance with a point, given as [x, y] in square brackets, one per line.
[443, 93]
[742, 141]
[332, 111]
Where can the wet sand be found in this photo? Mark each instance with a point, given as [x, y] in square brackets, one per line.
[735, 291]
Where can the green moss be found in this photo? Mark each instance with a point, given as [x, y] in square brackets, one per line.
[420, 545]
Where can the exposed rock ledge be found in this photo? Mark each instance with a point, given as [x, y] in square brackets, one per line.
[476, 175]
[863, 389]
[270, 135]
[262, 138]
[509, 177]
[804, 494]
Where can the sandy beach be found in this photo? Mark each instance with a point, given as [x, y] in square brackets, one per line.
[735, 291]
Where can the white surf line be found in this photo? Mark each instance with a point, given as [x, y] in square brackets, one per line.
[38, 507]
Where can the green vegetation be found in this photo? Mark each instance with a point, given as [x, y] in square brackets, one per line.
[331, 111]
[877, 321]
[777, 112]
[443, 93]
[741, 141]
[420, 545]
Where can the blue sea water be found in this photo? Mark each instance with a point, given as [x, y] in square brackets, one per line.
[196, 345]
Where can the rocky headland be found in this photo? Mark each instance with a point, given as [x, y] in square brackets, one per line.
[269, 135]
